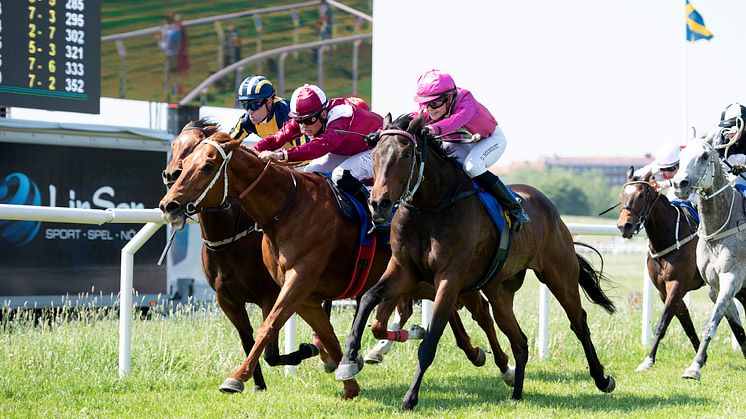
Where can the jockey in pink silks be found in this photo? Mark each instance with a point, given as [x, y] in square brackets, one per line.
[447, 108]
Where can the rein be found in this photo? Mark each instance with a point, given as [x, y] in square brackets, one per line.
[409, 191]
[191, 207]
[645, 213]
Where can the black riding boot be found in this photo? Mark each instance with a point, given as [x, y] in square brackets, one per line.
[354, 187]
[492, 184]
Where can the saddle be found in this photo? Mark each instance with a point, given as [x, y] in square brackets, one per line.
[346, 208]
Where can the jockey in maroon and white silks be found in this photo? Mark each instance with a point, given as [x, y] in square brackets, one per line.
[329, 150]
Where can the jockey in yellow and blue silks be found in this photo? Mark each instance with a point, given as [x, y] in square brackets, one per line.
[265, 113]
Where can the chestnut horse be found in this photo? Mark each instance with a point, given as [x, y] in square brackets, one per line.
[308, 247]
[442, 234]
[232, 258]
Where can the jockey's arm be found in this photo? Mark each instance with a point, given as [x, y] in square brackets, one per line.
[463, 112]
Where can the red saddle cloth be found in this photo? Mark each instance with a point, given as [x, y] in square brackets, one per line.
[362, 270]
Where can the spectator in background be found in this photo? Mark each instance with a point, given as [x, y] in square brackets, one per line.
[182, 56]
[232, 46]
[169, 40]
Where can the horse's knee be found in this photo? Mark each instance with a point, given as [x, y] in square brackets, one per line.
[378, 329]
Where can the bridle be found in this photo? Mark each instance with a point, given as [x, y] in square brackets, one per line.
[410, 190]
[642, 215]
[191, 207]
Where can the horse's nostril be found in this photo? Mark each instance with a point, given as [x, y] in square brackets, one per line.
[684, 183]
[627, 226]
[384, 205]
[171, 207]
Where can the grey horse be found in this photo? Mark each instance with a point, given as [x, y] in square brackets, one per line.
[721, 249]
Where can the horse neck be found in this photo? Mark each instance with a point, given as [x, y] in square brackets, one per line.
[439, 178]
[714, 212]
[661, 223]
[220, 225]
[268, 196]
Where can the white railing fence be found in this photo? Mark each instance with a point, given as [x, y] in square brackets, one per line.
[153, 221]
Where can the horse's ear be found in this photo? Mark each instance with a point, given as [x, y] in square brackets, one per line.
[416, 125]
[647, 176]
[630, 173]
[387, 120]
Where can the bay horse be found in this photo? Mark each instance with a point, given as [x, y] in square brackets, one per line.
[232, 258]
[721, 249]
[671, 259]
[308, 247]
[442, 234]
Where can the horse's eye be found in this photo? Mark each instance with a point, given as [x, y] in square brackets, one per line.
[207, 168]
[407, 154]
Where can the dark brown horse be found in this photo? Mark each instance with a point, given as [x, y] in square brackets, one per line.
[671, 260]
[308, 247]
[441, 234]
[232, 258]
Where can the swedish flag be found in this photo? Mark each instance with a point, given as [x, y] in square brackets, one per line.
[695, 25]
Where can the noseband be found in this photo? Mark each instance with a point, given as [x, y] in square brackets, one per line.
[642, 215]
[191, 208]
[410, 190]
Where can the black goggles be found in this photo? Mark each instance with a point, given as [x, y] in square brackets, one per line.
[253, 105]
[307, 120]
[669, 169]
[437, 103]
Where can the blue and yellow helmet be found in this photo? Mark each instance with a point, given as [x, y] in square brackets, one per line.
[255, 87]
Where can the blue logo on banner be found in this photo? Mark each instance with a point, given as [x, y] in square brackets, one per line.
[18, 189]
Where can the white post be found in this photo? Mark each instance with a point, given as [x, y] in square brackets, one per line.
[125, 294]
[427, 313]
[647, 305]
[688, 300]
[290, 329]
[543, 340]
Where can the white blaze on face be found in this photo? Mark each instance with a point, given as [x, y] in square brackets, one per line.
[630, 190]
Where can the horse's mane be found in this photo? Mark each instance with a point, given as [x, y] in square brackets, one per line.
[206, 125]
[414, 126]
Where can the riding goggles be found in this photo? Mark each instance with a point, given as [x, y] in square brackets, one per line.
[670, 169]
[253, 105]
[308, 120]
[437, 103]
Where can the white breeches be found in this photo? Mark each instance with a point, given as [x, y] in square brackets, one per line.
[478, 157]
[360, 165]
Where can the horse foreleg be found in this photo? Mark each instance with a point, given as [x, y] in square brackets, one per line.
[672, 298]
[728, 287]
[240, 320]
[317, 317]
[388, 287]
[443, 308]
[291, 294]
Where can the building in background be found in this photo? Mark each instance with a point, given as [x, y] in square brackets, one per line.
[613, 168]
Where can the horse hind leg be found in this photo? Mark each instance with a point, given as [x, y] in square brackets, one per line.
[380, 330]
[561, 282]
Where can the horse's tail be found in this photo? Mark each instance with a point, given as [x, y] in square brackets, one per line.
[590, 280]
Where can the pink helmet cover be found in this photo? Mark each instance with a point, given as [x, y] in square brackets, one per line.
[433, 84]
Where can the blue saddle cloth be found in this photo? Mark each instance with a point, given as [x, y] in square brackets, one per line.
[740, 188]
[494, 209]
[362, 215]
[688, 206]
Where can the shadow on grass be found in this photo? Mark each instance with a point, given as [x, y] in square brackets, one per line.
[468, 391]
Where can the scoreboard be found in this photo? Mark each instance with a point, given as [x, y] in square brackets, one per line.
[50, 53]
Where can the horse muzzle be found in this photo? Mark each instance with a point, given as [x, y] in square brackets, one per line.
[627, 229]
[380, 209]
[682, 188]
[173, 213]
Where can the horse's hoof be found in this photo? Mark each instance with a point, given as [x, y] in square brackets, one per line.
[481, 358]
[373, 356]
[509, 376]
[348, 371]
[312, 349]
[231, 385]
[329, 366]
[645, 365]
[416, 332]
[692, 373]
[610, 386]
[257, 387]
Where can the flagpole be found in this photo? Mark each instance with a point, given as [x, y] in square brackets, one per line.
[686, 91]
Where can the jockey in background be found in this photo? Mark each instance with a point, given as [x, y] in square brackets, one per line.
[664, 168]
[446, 109]
[329, 151]
[729, 142]
[265, 113]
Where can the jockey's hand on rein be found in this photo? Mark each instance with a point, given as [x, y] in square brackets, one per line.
[738, 169]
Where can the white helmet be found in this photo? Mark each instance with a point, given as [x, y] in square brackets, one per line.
[667, 155]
